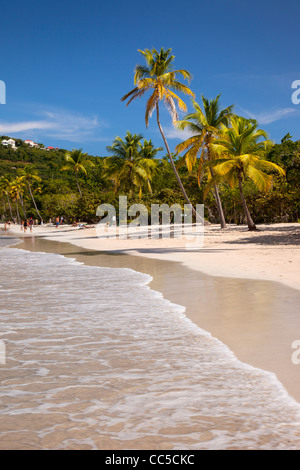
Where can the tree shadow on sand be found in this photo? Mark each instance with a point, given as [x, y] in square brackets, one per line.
[276, 236]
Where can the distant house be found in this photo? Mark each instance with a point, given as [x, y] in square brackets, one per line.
[9, 143]
[30, 143]
[49, 148]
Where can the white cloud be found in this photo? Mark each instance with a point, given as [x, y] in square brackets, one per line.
[58, 124]
[174, 133]
[271, 116]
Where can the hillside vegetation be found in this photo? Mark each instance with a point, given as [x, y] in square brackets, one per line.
[56, 192]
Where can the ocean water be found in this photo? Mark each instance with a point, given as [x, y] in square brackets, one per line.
[95, 359]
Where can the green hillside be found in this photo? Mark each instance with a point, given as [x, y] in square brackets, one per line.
[56, 192]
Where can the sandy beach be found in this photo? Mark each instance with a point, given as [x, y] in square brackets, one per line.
[262, 266]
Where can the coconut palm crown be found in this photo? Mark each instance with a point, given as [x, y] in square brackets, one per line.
[241, 155]
[132, 164]
[160, 79]
[203, 126]
[78, 162]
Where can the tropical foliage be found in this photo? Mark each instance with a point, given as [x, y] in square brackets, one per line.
[226, 162]
[241, 155]
[77, 162]
[160, 79]
[204, 126]
[132, 165]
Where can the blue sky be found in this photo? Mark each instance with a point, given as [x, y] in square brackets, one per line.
[66, 64]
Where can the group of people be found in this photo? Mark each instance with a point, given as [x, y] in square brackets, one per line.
[29, 223]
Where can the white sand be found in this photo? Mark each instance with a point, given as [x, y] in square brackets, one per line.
[273, 253]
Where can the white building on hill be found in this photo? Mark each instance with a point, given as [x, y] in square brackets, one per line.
[9, 143]
[30, 143]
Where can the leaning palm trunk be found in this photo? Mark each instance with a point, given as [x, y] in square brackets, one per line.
[33, 200]
[219, 203]
[4, 206]
[22, 205]
[18, 215]
[172, 162]
[78, 187]
[216, 190]
[251, 224]
[9, 205]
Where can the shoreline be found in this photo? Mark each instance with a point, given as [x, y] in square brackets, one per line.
[260, 335]
[271, 254]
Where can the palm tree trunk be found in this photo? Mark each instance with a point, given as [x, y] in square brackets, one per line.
[216, 190]
[78, 187]
[9, 205]
[251, 224]
[22, 205]
[18, 215]
[33, 200]
[4, 206]
[172, 163]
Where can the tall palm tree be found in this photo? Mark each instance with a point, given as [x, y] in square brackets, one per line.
[132, 164]
[241, 156]
[17, 187]
[204, 126]
[31, 175]
[6, 189]
[3, 191]
[77, 162]
[148, 150]
[160, 79]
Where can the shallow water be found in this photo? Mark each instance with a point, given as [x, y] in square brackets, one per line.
[96, 359]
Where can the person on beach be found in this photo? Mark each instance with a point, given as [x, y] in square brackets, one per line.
[31, 223]
[57, 222]
[36, 222]
[22, 226]
[25, 225]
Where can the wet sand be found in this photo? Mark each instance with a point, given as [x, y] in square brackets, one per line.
[257, 319]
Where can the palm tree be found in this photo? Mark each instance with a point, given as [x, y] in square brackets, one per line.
[31, 175]
[204, 126]
[148, 150]
[17, 190]
[3, 191]
[5, 188]
[161, 80]
[77, 162]
[132, 164]
[241, 155]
